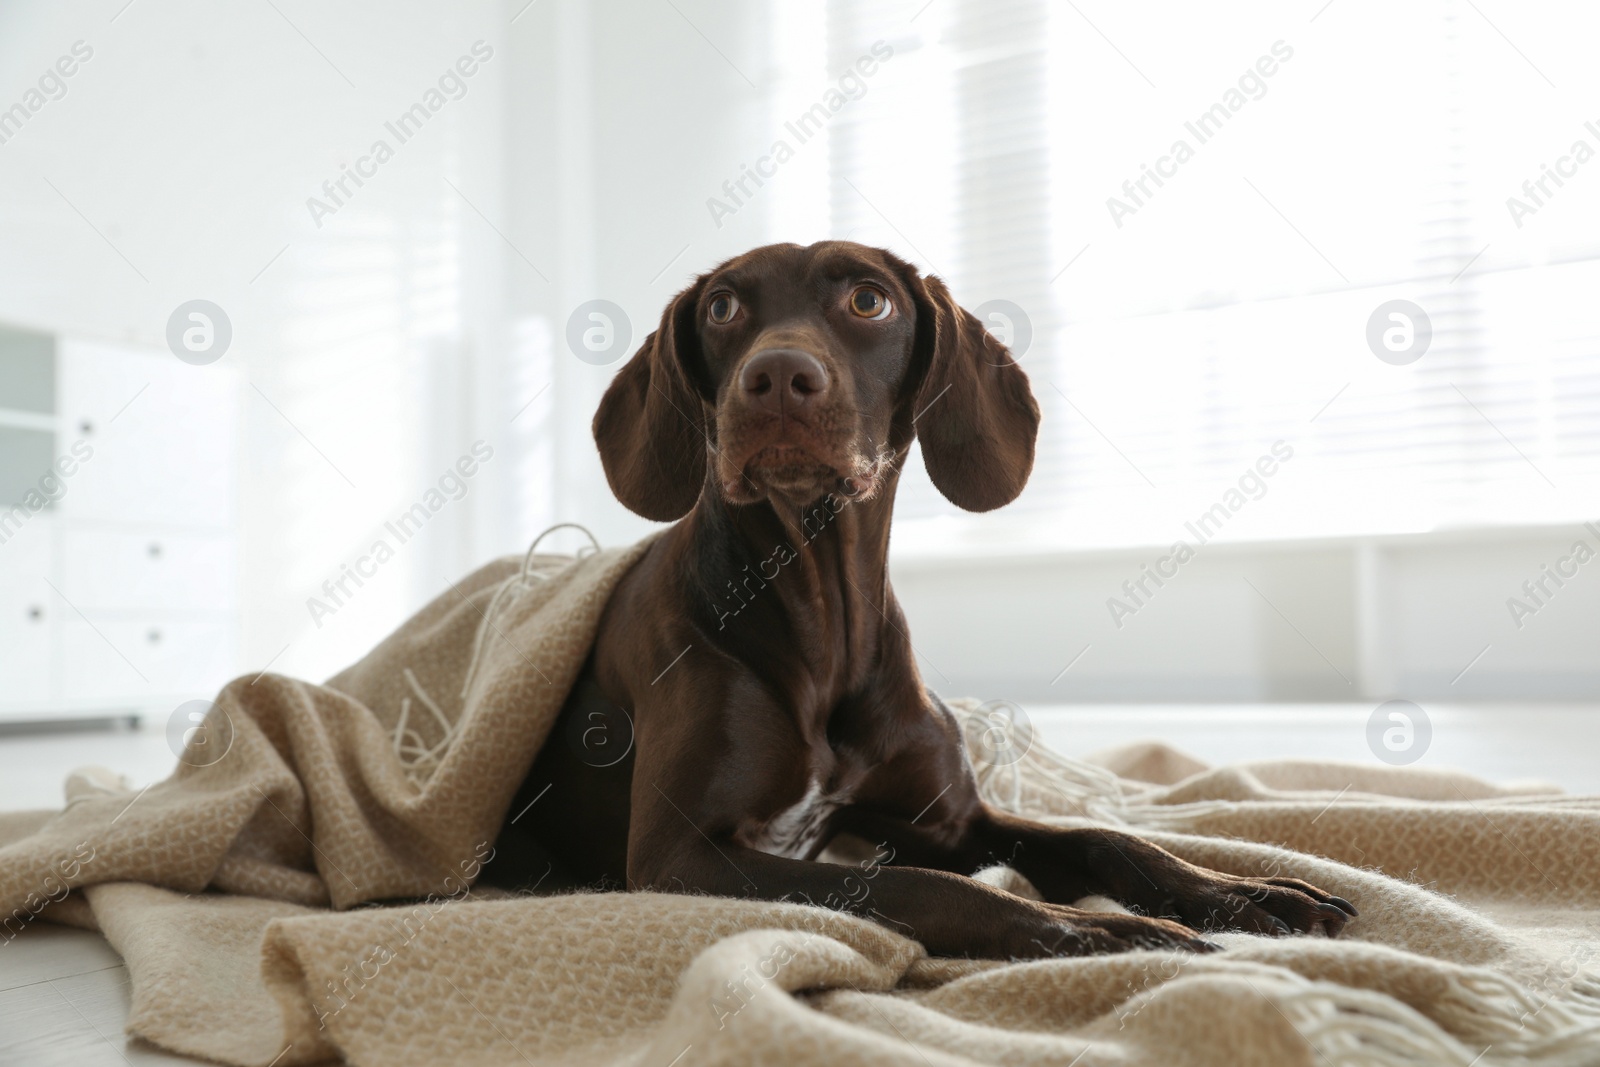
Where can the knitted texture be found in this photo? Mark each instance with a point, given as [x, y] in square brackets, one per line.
[254, 899]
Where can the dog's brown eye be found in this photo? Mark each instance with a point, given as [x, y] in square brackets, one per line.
[869, 303]
[722, 307]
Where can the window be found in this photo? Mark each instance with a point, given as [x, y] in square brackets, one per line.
[1182, 325]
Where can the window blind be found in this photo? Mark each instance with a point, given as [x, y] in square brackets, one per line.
[1174, 346]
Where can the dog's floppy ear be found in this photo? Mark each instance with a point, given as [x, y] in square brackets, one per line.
[651, 423]
[973, 410]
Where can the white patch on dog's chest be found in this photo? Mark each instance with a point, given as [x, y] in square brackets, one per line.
[794, 831]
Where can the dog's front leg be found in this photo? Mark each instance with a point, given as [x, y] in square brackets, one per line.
[951, 915]
[686, 835]
[1065, 864]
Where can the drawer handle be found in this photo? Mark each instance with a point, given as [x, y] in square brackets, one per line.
[154, 550]
[35, 612]
[154, 636]
[86, 427]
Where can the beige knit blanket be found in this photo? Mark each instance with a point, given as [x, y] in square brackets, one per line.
[245, 897]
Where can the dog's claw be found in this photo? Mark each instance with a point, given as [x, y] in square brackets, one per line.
[1280, 927]
[1344, 906]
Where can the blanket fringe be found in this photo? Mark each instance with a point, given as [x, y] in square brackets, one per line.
[510, 589]
[1040, 777]
[1477, 1024]
[1349, 1026]
[1521, 1024]
[416, 756]
[1357, 1026]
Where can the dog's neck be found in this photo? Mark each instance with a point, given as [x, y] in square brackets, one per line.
[821, 566]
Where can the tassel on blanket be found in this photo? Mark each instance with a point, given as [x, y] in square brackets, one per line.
[509, 590]
[1029, 776]
[1483, 1022]
[1357, 1026]
[416, 755]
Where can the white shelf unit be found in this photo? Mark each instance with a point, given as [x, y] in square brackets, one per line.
[120, 597]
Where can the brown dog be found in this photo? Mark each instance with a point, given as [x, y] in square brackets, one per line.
[752, 692]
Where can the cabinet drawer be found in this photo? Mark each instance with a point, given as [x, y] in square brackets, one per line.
[121, 570]
[168, 456]
[178, 658]
[27, 610]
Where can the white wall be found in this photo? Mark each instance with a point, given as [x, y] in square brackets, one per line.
[1339, 620]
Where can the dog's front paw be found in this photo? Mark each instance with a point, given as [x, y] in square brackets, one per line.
[1274, 906]
[1073, 932]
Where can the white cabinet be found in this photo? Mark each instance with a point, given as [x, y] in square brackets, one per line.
[120, 595]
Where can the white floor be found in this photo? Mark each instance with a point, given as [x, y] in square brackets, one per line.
[1555, 743]
[64, 993]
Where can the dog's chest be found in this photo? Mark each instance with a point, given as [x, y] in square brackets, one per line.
[795, 831]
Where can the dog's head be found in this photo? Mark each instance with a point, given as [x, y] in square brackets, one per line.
[793, 372]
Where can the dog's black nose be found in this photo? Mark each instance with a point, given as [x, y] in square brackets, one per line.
[783, 379]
